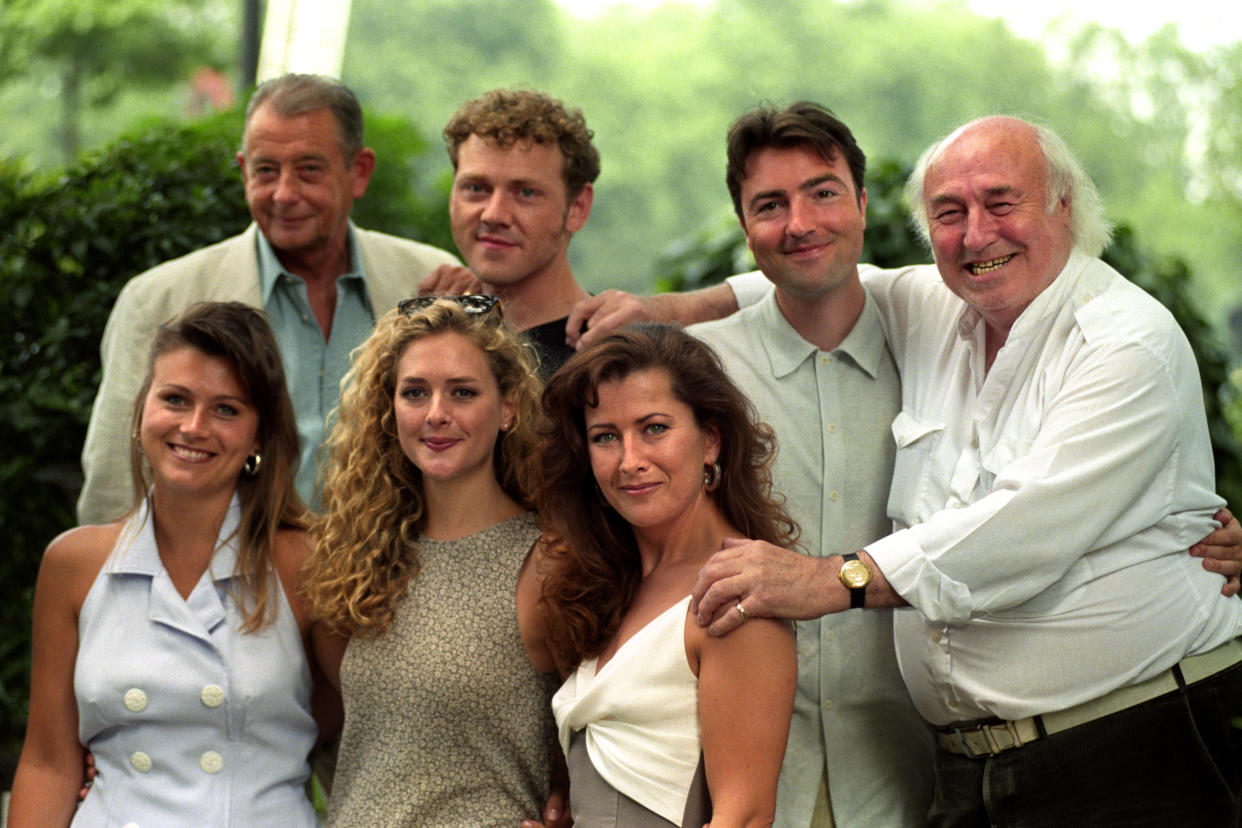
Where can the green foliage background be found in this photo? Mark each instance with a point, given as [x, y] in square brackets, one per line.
[1159, 128]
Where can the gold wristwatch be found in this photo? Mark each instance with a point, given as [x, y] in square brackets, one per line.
[855, 575]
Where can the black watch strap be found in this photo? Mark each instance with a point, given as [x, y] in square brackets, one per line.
[858, 594]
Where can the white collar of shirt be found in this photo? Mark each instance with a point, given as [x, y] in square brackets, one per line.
[1073, 279]
[137, 554]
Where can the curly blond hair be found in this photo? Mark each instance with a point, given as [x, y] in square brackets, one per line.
[366, 538]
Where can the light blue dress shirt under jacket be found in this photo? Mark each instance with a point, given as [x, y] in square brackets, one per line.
[314, 368]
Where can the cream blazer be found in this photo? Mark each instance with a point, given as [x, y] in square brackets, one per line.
[226, 271]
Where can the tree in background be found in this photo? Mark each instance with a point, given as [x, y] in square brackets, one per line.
[94, 49]
[1183, 111]
[1159, 130]
[660, 85]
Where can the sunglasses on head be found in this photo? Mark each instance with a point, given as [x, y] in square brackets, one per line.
[469, 302]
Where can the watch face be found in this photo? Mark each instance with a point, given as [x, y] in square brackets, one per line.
[855, 574]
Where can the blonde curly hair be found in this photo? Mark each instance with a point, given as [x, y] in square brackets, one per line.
[366, 538]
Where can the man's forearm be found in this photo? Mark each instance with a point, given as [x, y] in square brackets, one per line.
[694, 306]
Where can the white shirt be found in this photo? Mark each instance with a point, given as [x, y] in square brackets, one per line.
[1046, 504]
[831, 411]
[640, 712]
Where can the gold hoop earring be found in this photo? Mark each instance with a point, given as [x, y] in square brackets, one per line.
[251, 467]
[711, 477]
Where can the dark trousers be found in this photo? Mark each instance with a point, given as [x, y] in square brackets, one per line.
[1172, 762]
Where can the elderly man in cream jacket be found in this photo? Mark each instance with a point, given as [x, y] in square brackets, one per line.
[321, 280]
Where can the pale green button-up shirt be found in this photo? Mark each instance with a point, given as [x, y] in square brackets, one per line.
[832, 413]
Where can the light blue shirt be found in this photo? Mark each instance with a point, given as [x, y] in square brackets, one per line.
[191, 721]
[314, 368]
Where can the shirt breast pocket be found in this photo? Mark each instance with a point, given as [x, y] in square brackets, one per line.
[916, 440]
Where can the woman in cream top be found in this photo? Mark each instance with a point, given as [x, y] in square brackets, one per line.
[652, 459]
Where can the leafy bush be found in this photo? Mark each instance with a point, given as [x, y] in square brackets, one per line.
[67, 246]
[716, 253]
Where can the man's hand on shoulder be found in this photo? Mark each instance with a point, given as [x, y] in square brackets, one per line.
[604, 312]
[598, 315]
[764, 580]
[449, 279]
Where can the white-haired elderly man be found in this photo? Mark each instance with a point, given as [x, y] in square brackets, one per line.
[1053, 464]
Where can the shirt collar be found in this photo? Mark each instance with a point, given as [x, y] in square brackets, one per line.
[1047, 304]
[270, 268]
[137, 554]
[786, 348]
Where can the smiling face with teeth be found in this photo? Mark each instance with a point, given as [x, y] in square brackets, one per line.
[996, 242]
[198, 425]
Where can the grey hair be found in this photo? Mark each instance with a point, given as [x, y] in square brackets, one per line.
[295, 94]
[1065, 178]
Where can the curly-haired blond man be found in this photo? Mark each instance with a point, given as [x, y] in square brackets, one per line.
[524, 166]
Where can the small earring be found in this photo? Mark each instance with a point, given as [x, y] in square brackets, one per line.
[505, 426]
[711, 477]
[251, 467]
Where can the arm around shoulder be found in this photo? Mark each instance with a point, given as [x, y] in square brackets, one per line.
[604, 312]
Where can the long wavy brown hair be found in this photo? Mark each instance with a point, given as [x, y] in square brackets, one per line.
[591, 561]
[241, 336]
[374, 510]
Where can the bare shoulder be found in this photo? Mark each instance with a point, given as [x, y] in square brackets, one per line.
[82, 548]
[73, 559]
[532, 618]
[289, 553]
[758, 641]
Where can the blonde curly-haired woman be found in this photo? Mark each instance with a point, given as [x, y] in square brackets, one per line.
[423, 558]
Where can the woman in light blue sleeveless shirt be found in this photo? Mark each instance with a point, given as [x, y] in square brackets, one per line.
[172, 644]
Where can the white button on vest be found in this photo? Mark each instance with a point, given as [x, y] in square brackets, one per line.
[135, 700]
[212, 695]
[140, 761]
[211, 762]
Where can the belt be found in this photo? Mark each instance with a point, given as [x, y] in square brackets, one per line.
[991, 738]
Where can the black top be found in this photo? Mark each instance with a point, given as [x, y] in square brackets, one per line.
[549, 341]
